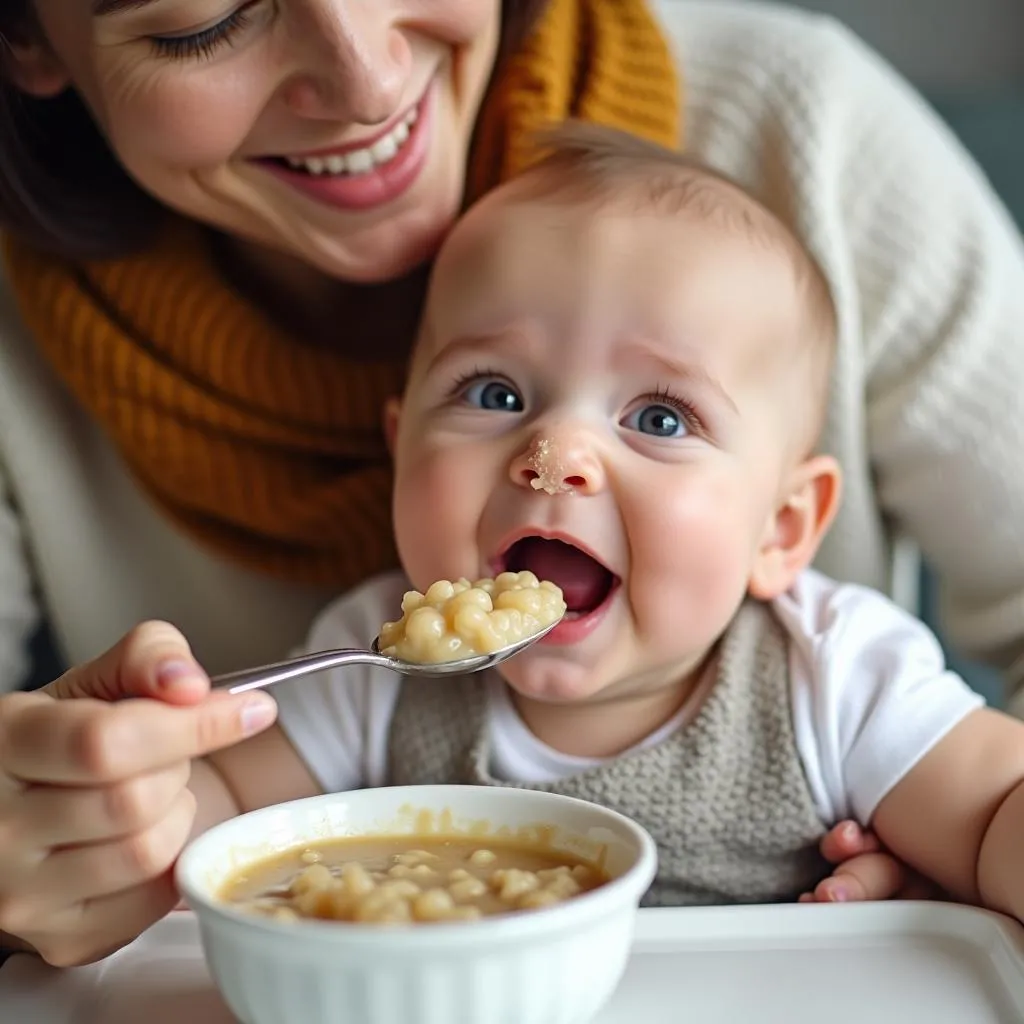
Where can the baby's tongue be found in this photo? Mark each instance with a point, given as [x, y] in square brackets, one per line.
[584, 582]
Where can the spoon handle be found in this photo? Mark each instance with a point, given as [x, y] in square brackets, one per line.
[304, 665]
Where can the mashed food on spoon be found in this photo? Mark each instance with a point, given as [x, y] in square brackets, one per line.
[455, 620]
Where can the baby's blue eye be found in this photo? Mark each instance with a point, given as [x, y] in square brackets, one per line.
[494, 395]
[657, 421]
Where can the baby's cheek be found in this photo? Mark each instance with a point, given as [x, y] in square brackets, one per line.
[691, 600]
[690, 572]
[436, 515]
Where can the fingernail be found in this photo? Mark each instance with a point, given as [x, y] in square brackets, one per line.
[257, 714]
[838, 893]
[849, 831]
[176, 673]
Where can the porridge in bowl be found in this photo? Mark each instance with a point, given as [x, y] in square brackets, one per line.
[522, 966]
[410, 879]
[462, 619]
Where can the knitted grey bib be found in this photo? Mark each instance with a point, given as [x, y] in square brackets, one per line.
[725, 797]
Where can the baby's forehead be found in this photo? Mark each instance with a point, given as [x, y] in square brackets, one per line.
[547, 200]
[656, 246]
[704, 224]
[707, 276]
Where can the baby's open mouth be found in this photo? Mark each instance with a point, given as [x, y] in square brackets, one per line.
[585, 583]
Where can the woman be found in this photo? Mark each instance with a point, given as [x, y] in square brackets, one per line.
[189, 400]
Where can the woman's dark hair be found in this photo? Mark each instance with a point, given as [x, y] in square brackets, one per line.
[61, 187]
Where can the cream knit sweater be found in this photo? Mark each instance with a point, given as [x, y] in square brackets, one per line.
[927, 407]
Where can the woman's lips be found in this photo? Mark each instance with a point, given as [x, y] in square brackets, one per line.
[377, 186]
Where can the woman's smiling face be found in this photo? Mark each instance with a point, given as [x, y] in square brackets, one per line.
[335, 131]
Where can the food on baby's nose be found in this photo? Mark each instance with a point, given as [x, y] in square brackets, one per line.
[459, 620]
[409, 880]
[550, 472]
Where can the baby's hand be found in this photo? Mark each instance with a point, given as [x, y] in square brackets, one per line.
[864, 871]
[94, 804]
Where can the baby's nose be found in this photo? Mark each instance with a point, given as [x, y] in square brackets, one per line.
[558, 463]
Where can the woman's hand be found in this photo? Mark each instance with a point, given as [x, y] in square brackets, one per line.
[864, 871]
[94, 804]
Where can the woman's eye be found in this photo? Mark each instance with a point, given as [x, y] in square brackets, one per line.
[657, 421]
[494, 395]
[206, 42]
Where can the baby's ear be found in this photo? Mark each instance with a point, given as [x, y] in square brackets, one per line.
[33, 67]
[796, 528]
[392, 415]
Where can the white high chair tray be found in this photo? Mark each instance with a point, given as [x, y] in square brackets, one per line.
[883, 962]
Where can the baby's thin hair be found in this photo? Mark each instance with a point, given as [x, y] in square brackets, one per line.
[585, 162]
[579, 162]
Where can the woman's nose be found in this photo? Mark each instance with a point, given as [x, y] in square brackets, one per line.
[559, 462]
[353, 62]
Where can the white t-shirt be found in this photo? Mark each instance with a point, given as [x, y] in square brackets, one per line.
[870, 697]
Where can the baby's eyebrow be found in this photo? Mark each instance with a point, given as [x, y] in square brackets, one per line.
[502, 342]
[680, 369]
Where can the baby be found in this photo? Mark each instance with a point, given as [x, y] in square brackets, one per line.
[621, 377]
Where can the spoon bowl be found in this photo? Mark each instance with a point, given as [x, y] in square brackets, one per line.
[307, 664]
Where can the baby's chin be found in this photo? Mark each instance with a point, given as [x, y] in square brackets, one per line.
[550, 680]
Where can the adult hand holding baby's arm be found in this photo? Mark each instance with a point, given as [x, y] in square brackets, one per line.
[864, 871]
[958, 815]
[95, 803]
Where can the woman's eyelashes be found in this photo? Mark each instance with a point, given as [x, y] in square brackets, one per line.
[205, 43]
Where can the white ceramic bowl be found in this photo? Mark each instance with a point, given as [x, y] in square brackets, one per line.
[557, 965]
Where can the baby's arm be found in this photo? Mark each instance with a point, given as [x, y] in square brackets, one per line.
[958, 815]
[871, 698]
[329, 728]
[261, 771]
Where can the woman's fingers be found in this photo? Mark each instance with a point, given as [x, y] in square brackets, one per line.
[90, 742]
[871, 876]
[80, 874]
[94, 804]
[64, 815]
[92, 930]
[846, 840]
[153, 660]
[865, 871]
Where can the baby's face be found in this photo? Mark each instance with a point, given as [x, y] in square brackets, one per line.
[602, 399]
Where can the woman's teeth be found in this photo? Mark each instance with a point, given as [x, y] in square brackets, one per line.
[358, 161]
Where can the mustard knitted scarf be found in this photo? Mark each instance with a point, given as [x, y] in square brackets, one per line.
[267, 450]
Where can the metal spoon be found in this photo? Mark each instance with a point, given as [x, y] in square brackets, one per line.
[306, 664]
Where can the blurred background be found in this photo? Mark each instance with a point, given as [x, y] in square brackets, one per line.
[967, 57]
[945, 45]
